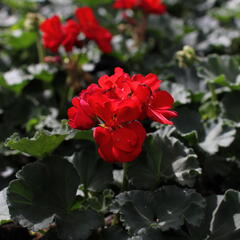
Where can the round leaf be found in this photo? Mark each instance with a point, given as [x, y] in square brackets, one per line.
[43, 188]
[166, 208]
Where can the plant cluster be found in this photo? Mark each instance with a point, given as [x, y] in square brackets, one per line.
[93, 145]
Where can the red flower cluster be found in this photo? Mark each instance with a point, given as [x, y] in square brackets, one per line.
[148, 6]
[55, 33]
[115, 105]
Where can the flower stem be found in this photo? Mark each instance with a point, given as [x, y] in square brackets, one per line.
[85, 191]
[40, 48]
[125, 177]
[213, 92]
[213, 97]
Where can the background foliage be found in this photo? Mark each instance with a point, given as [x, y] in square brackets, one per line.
[184, 185]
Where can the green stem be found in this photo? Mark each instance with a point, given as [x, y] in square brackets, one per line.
[213, 98]
[213, 92]
[125, 177]
[40, 49]
[85, 191]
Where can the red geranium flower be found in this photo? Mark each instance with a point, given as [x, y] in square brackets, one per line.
[122, 144]
[148, 6]
[52, 33]
[71, 30]
[115, 105]
[55, 33]
[125, 4]
[92, 30]
[153, 6]
[159, 107]
[81, 115]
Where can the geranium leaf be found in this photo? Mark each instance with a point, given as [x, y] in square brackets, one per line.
[225, 224]
[16, 84]
[156, 234]
[165, 158]
[93, 3]
[188, 120]
[217, 135]
[78, 224]
[189, 79]
[115, 232]
[42, 71]
[231, 109]
[164, 209]
[43, 143]
[4, 212]
[43, 189]
[227, 11]
[181, 95]
[222, 70]
[203, 230]
[94, 173]
[24, 40]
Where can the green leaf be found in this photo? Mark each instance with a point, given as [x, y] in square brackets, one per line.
[41, 71]
[25, 40]
[156, 234]
[78, 224]
[209, 110]
[164, 209]
[42, 144]
[83, 134]
[217, 135]
[225, 223]
[94, 173]
[17, 87]
[189, 79]
[227, 11]
[181, 95]
[26, 5]
[166, 158]
[115, 232]
[231, 109]
[188, 120]
[222, 70]
[43, 189]
[93, 3]
[4, 212]
[203, 230]
[221, 172]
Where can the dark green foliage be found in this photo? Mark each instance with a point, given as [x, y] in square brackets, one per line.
[185, 184]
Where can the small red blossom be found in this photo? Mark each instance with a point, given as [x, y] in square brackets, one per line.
[93, 30]
[148, 6]
[153, 6]
[81, 115]
[115, 106]
[52, 33]
[56, 34]
[125, 4]
[71, 30]
[122, 144]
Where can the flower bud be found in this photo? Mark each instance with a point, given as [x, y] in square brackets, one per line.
[186, 56]
[32, 21]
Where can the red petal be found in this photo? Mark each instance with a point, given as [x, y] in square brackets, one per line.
[162, 99]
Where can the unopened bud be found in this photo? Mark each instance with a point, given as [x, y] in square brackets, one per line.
[32, 21]
[186, 56]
